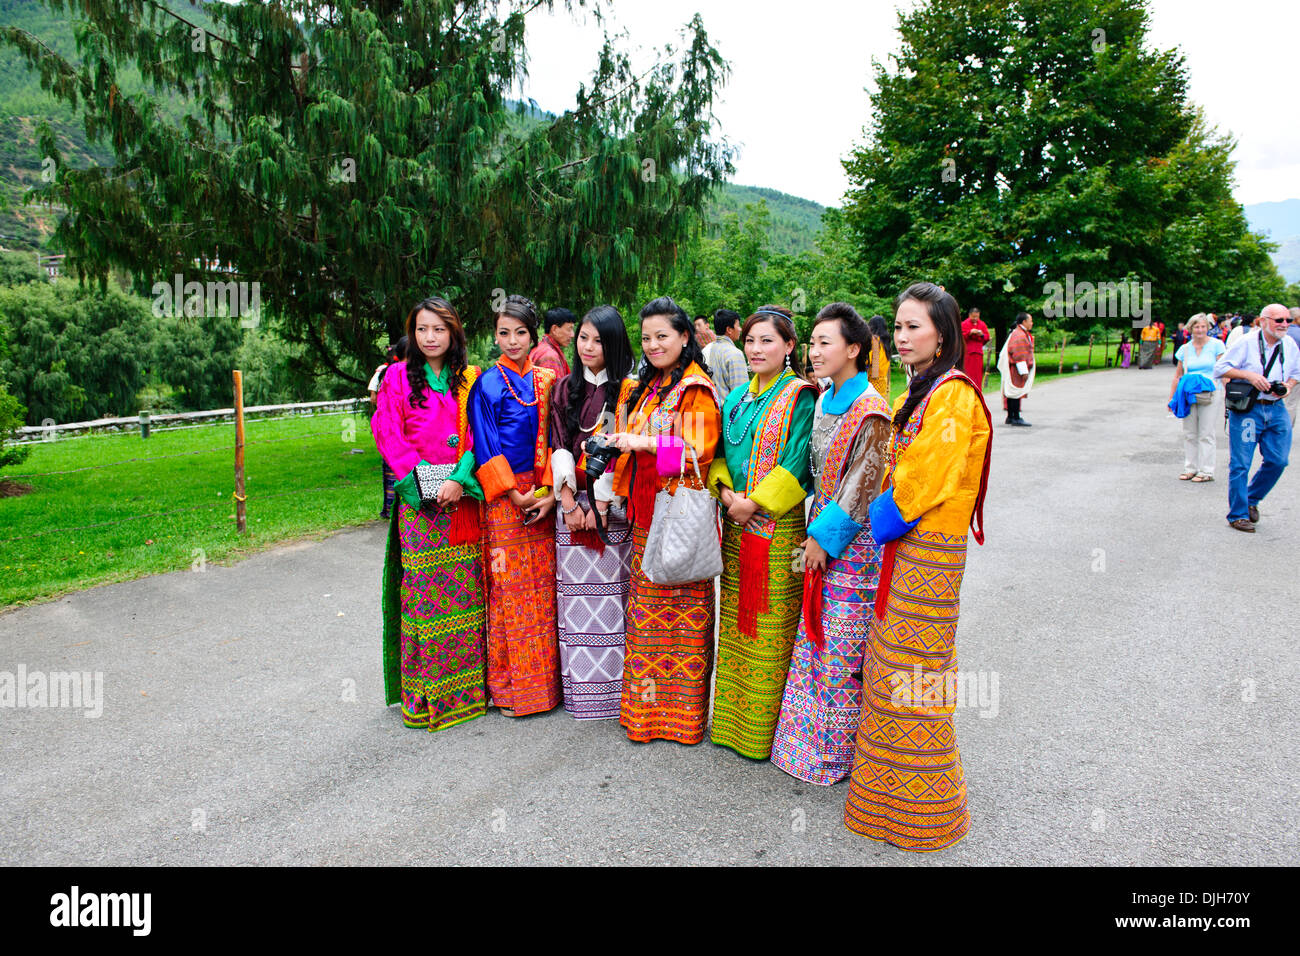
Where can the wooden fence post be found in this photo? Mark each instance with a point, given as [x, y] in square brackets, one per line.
[1060, 360]
[241, 515]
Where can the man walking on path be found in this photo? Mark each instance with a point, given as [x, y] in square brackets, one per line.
[1264, 357]
[726, 362]
[1016, 363]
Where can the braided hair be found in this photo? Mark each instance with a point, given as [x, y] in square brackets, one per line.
[455, 362]
[943, 312]
[608, 323]
[665, 308]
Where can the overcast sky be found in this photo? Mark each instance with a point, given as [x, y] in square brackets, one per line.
[796, 101]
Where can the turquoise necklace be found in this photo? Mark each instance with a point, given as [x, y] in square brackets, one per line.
[756, 405]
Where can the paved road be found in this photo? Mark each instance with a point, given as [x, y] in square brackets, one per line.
[1142, 652]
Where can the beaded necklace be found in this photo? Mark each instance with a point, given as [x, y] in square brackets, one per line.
[511, 389]
[756, 405]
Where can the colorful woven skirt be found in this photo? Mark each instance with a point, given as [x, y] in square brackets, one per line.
[823, 693]
[752, 669]
[669, 654]
[523, 660]
[441, 623]
[908, 787]
[591, 586]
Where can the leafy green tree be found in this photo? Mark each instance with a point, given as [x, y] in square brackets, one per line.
[12, 414]
[195, 355]
[18, 267]
[75, 352]
[353, 157]
[1019, 142]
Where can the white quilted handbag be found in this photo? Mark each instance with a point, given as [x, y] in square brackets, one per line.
[683, 545]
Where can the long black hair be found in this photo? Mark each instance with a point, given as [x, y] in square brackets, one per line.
[943, 312]
[455, 361]
[664, 307]
[608, 323]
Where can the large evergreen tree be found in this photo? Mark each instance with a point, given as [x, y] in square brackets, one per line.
[1017, 142]
[355, 156]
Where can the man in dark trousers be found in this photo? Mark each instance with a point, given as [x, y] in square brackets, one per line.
[1016, 363]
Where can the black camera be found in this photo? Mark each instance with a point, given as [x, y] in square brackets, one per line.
[599, 455]
[1278, 388]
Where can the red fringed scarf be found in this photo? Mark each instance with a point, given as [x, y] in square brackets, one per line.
[812, 606]
[886, 576]
[754, 551]
[586, 538]
[464, 527]
[641, 500]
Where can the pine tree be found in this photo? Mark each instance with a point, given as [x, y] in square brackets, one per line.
[354, 157]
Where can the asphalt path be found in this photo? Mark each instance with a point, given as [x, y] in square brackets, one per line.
[1134, 654]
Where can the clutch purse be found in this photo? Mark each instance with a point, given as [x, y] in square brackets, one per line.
[429, 479]
[683, 544]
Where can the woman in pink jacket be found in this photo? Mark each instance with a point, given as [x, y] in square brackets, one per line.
[433, 572]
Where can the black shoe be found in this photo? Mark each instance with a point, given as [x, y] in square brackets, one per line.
[1021, 421]
[1254, 514]
[1241, 524]
[1018, 422]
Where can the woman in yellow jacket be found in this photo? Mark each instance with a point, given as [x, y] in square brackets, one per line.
[907, 787]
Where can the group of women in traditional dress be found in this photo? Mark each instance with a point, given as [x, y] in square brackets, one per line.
[830, 609]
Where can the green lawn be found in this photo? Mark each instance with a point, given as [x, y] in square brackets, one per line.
[173, 508]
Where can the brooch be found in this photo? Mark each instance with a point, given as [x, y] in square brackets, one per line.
[453, 441]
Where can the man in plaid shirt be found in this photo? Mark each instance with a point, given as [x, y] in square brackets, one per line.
[725, 361]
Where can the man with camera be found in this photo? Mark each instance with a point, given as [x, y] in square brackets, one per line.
[1259, 368]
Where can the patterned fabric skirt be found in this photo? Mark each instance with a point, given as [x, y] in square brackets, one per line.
[823, 693]
[442, 623]
[523, 663]
[591, 600]
[751, 670]
[669, 655]
[1146, 354]
[908, 787]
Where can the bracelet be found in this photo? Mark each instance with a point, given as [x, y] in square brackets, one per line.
[575, 507]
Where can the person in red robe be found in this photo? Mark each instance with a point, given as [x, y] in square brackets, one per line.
[1016, 364]
[976, 335]
[560, 325]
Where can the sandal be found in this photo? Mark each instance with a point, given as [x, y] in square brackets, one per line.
[1187, 476]
[1200, 478]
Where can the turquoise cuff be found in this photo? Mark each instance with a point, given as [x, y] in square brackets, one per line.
[833, 529]
[887, 522]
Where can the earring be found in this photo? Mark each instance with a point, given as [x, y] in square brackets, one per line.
[787, 359]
